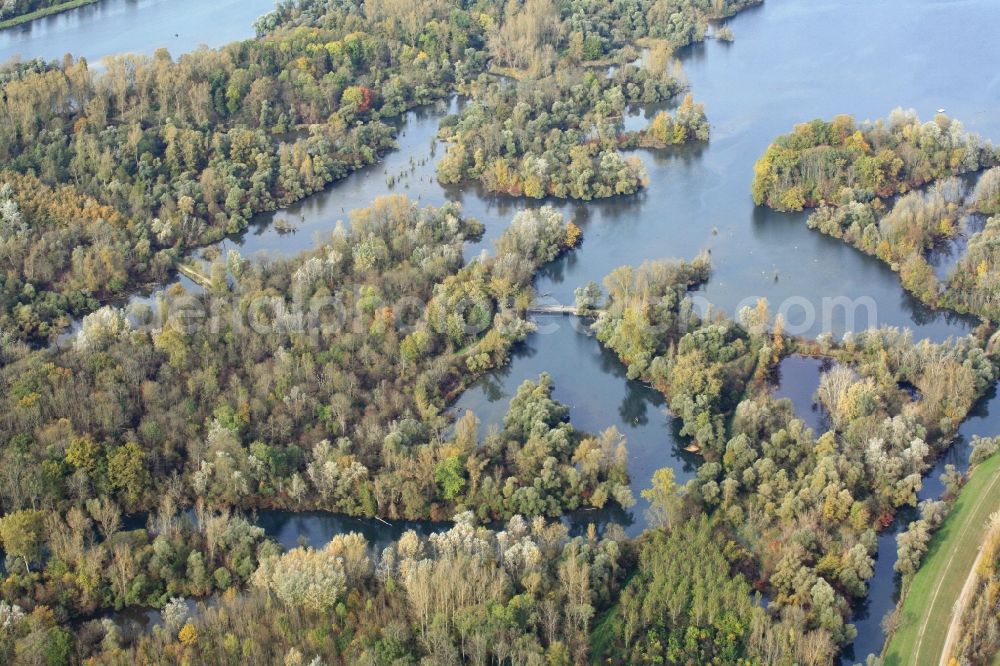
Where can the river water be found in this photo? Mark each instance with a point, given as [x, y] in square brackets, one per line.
[109, 27]
[792, 61]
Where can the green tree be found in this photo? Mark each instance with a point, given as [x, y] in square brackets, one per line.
[665, 503]
[127, 472]
[22, 535]
[449, 476]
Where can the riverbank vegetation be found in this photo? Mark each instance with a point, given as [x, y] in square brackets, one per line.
[805, 504]
[685, 125]
[973, 283]
[908, 234]
[16, 12]
[920, 627]
[529, 38]
[314, 382]
[979, 626]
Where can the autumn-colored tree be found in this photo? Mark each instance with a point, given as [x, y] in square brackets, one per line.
[22, 535]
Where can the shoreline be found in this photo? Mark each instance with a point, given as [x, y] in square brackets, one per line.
[45, 11]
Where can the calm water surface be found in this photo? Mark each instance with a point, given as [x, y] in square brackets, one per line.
[792, 61]
[602, 399]
[797, 380]
[137, 26]
[317, 528]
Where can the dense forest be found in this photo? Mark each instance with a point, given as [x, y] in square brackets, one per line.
[135, 452]
[314, 382]
[775, 506]
[805, 504]
[527, 593]
[686, 603]
[88, 560]
[268, 403]
[152, 157]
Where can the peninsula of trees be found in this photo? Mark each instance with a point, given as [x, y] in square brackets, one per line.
[560, 135]
[893, 190]
[826, 162]
[979, 628]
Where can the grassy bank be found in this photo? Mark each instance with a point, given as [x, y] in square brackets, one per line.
[47, 11]
[928, 606]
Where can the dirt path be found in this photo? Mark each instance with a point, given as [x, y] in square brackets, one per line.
[930, 607]
[956, 612]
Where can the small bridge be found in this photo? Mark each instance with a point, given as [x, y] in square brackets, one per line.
[194, 275]
[560, 309]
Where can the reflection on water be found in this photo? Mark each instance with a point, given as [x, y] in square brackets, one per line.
[797, 379]
[945, 256]
[592, 382]
[133, 26]
[317, 528]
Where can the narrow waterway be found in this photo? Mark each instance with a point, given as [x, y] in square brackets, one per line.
[884, 587]
[317, 528]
